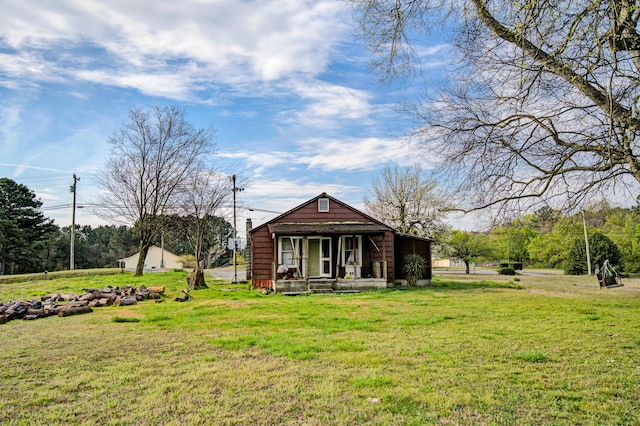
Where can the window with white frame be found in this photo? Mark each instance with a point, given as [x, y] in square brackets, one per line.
[289, 251]
[323, 204]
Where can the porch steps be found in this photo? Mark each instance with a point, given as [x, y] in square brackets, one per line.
[321, 287]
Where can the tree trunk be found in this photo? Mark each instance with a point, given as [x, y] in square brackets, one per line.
[3, 259]
[144, 249]
[196, 280]
[74, 311]
[466, 266]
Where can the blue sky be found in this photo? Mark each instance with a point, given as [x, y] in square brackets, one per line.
[286, 84]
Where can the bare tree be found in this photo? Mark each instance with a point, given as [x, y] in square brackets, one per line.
[152, 155]
[407, 200]
[543, 102]
[203, 194]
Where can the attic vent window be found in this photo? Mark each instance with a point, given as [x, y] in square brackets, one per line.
[323, 204]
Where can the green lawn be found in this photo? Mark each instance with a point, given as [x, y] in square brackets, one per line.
[542, 350]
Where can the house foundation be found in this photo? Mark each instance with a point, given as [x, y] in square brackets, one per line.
[325, 285]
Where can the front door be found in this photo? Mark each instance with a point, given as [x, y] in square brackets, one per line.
[319, 262]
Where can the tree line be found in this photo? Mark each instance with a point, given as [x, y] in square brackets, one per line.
[31, 242]
[549, 238]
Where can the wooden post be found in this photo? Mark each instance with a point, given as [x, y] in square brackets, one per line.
[339, 256]
[274, 269]
[376, 269]
[384, 257]
[305, 258]
[355, 255]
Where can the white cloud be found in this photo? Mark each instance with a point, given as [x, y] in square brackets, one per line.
[430, 50]
[260, 162]
[169, 85]
[353, 154]
[9, 119]
[295, 190]
[330, 105]
[152, 45]
[341, 155]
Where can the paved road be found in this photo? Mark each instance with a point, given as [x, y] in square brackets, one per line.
[228, 272]
[461, 271]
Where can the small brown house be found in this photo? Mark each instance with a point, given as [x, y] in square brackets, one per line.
[327, 245]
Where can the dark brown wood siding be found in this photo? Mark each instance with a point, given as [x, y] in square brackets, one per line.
[308, 213]
[406, 245]
[262, 254]
[389, 250]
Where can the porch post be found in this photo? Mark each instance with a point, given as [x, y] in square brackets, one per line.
[274, 261]
[338, 257]
[354, 239]
[305, 257]
[384, 257]
[274, 268]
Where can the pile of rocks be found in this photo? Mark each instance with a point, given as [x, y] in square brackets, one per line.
[77, 303]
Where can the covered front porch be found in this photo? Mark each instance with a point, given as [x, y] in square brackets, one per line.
[329, 257]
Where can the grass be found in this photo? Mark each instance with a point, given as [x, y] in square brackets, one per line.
[543, 350]
[20, 278]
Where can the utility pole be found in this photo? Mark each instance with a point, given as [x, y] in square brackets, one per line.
[235, 232]
[72, 188]
[586, 242]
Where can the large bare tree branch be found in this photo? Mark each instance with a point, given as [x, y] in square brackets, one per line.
[542, 101]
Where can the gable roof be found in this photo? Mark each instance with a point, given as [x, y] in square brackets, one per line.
[282, 225]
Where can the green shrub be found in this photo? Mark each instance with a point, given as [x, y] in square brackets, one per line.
[413, 268]
[513, 265]
[601, 248]
[506, 271]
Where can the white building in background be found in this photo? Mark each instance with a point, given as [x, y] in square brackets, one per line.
[447, 262]
[155, 258]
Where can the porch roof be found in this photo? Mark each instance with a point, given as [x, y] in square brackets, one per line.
[324, 228]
